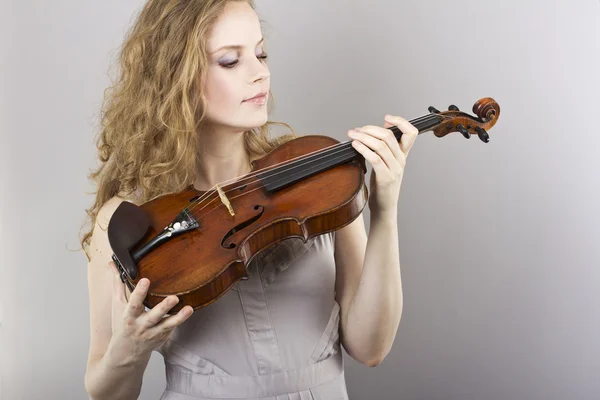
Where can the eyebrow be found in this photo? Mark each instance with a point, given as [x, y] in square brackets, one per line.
[236, 46]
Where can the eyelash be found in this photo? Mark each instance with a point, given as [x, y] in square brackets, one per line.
[232, 64]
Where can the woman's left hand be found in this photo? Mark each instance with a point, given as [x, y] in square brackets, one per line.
[387, 157]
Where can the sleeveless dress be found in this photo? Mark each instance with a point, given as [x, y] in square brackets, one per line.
[274, 336]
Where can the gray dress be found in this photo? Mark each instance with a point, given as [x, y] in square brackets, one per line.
[274, 336]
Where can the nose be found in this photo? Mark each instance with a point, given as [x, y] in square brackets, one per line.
[259, 71]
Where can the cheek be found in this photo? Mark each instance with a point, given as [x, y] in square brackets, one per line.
[221, 92]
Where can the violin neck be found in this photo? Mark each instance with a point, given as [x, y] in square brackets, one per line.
[423, 124]
[303, 167]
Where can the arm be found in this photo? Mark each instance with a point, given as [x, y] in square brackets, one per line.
[368, 281]
[369, 291]
[111, 373]
[114, 377]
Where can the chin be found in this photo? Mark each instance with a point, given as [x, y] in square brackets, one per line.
[247, 123]
[258, 121]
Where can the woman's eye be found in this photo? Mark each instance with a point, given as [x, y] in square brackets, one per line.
[229, 64]
[232, 64]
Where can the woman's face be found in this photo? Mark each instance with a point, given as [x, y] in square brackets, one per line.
[236, 73]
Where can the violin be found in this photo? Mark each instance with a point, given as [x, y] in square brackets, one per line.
[197, 244]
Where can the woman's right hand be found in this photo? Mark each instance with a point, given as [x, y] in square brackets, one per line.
[136, 331]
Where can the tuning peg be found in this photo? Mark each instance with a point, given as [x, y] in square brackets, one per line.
[483, 135]
[434, 110]
[464, 131]
[453, 108]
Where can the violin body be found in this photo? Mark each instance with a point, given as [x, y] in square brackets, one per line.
[197, 245]
[204, 263]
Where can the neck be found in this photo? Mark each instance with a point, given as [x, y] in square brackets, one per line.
[221, 156]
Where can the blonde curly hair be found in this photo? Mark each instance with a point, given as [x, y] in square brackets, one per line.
[148, 139]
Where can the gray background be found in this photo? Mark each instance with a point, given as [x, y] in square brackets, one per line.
[499, 241]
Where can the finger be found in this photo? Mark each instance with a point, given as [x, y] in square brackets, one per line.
[410, 132]
[377, 145]
[381, 170]
[118, 285]
[156, 314]
[167, 324]
[397, 148]
[386, 135]
[135, 307]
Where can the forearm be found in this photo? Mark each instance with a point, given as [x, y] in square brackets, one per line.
[115, 376]
[374, 312]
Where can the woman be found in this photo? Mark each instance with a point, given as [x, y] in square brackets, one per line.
[191, 107]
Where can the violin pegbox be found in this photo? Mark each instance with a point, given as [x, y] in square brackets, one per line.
[487, 112]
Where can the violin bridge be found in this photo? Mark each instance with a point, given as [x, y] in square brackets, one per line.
[225, 200]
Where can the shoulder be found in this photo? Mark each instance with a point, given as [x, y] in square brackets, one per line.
[108, 209]
[99, 239]
[99, 233]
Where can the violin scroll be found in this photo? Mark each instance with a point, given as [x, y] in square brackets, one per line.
[487, 108]
[487, 112]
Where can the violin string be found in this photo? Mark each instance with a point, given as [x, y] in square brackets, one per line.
[229, 190]
[315, 160]
[198, 216]
[251, 174]
[305, 159]
[255, 185]
[248, 192]
[164, 255]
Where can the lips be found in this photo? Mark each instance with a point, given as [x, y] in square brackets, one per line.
[262, 94]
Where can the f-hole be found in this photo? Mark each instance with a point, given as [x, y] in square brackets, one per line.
[241, 226]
